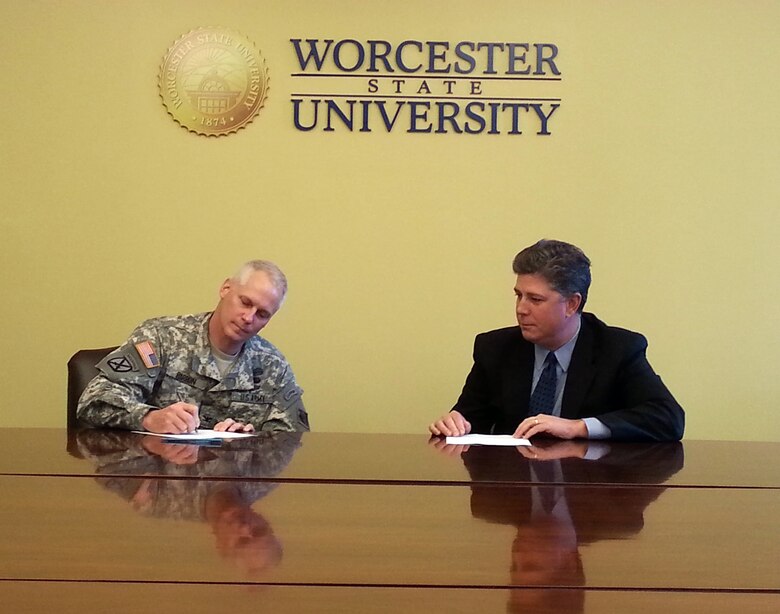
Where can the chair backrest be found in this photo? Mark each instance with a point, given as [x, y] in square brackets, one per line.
[81, 370]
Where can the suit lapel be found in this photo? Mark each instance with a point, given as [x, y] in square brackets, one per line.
[519, 375]
[581, 372]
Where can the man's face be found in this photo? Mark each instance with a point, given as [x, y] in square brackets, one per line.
[247, 539]
[244, 309]
[544, 315]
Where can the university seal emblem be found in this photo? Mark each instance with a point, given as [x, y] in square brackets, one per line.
[213, 81]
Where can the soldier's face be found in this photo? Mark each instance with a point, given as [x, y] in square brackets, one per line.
[244, 309]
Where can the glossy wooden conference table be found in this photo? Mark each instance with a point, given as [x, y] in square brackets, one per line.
[309, 538]
[79, 598]
[392, 458]
[461, 531]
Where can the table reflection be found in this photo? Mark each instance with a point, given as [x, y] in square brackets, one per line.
[552, 517]
[152, 476]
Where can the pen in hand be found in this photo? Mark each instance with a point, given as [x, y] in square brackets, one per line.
[183, 399]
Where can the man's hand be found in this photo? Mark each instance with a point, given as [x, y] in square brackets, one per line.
[177, 418]
[451, 425]
[554, 450]
[176, 453]
[448, 449]
[546, 424]
[234, 427]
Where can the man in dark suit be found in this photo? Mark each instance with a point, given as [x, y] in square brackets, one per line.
[563, 373]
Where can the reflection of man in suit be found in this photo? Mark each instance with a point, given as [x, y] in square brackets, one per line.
[562, 373]
[553, 521]
[242, 535]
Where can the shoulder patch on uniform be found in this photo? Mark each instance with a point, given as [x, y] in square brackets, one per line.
[120, 364]
[148, 356]
[291, 392]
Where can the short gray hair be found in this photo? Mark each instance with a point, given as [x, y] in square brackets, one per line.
[274, 273]
[565, 267]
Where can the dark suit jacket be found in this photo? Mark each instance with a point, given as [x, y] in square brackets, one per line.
[608, 378]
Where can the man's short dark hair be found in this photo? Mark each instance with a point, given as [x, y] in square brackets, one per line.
[565, 266]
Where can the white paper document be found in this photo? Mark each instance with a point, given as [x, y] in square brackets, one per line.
[200, 434]
[488, 440]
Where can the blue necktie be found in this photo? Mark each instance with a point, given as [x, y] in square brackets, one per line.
[543, 398]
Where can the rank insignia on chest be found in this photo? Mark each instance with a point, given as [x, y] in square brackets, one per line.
[147, 354]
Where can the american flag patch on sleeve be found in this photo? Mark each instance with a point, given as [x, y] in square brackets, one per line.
[146, 352]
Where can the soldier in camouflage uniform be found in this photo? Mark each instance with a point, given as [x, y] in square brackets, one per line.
[211, 370]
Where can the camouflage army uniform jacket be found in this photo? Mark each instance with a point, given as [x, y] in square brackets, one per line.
[169, 359]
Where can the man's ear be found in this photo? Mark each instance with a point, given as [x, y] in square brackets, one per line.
[573, 304]
[224, 288]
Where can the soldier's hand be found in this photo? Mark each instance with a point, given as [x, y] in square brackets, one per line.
[234, 427]
[177, 418]
[451, 425]
[176, 453]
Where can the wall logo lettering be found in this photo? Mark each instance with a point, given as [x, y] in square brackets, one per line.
[213, 81]
[426, 87]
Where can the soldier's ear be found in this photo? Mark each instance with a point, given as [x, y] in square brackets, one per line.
[224, 288]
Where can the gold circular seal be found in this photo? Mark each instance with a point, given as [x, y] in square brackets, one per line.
[213, 81]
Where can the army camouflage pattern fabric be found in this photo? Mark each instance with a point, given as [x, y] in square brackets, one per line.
[120, 457]
[258, 389]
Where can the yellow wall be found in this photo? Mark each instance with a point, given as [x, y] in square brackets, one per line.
[662, 166]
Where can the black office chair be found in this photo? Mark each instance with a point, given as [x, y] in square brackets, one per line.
[81, 370]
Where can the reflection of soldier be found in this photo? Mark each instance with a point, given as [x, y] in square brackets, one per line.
[136, 467]
[552, 521]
